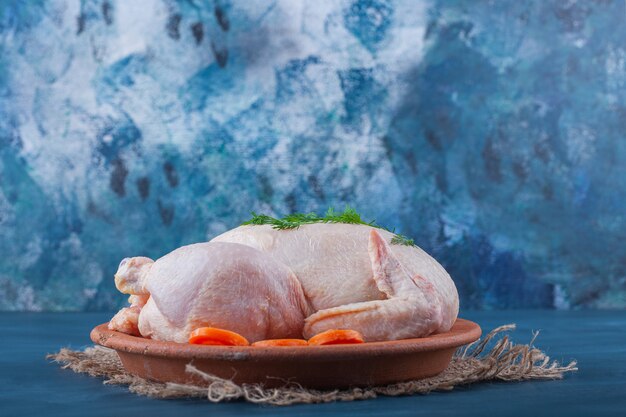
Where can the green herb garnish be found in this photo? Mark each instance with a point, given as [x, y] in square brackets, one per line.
[402, 240]
[348, 216]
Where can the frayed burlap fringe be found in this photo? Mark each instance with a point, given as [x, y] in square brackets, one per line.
[505, 361]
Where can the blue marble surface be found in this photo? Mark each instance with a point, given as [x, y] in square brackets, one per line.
[596, 339]
[490, 132]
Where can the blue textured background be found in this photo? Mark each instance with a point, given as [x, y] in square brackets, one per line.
[491, 132]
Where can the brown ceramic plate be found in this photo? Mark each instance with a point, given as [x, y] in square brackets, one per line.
[337, 366]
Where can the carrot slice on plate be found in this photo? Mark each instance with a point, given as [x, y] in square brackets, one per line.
[280, 342]
[336, 337]
[215, 336]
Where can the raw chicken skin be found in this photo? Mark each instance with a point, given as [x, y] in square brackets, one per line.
[265, 283]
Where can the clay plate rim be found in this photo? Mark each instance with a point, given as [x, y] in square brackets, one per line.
[461, 333]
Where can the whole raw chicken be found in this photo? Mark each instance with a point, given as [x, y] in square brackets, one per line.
[265, 284]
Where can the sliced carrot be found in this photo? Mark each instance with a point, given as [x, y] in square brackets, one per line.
[280, 342]
[215, 336]
[336, 337]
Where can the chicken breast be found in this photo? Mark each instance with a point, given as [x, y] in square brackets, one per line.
[265, 283]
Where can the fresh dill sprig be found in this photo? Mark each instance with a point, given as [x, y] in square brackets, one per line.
[402, 240]
[348, 216]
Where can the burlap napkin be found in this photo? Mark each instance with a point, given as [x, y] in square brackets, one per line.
[502, 361]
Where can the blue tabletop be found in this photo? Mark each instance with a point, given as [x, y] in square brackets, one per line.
[32, 386]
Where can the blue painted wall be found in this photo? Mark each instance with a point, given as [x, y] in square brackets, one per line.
[491, 132]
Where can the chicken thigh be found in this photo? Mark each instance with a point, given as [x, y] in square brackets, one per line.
[265, 283]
